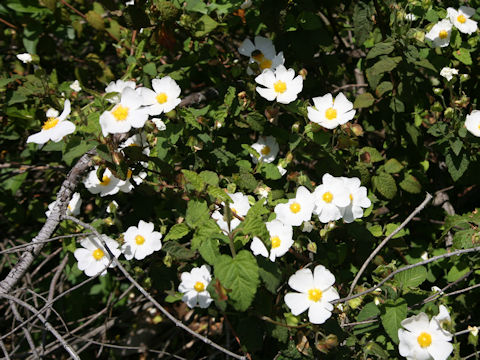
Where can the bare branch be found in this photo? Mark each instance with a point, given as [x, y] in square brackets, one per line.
[382, 244]
[27, 334]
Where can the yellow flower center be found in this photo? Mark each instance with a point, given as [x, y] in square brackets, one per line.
[351, 197]
[258, 56]
[314, 294]
[162, 98]
[51, 122]
[280, 87]
[129, 174]
[120, 112]
[69, 207]
[199, 286]
[327, 197]
[424, 339]
[139, 239]
[461, 19]
[275, 241]
[331, 113]
[265, 64]
[295, 207]
[265, 150]
[98, 254]
[443, 34]
[105, 180]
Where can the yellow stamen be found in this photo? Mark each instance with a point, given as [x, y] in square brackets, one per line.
[265, 64]
[424, 339]
[199, 286]
[98, 254]
[139, 239]
[105, 180]
[331, 113]
[280, 87]
[162, 98]
[51, 122]
[295, 207]
[461, 19]
[258, 56]
[315, 294]
[351, 197]
[120, 112]
[265, 150]
[443, 34]
[233, 210]
[327, 197]
[275, 241]
[129, 174]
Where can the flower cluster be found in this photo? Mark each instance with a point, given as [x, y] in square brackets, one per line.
[440, 33]
[139, 241]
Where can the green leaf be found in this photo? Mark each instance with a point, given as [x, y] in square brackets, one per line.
[197, 213]
[392, 315]
[463, 55]
[411, 184]
[246, 181]
[464, 239]
[457, 271]
[456, 165]
[383, 87]
[309, 21]
[256, 121]
[95, 20]
[209, 250]
[177, 250]
[383, 48]
[370, 310]
[196, 5]
[362, 25]
[193, 178]
[412, 277]
[150, 69]
[382, 66]
[270, 273]
[209, 177]
[456, 146]
[270, 171]
[370, 155]
[364, 100]
[177, 231]
[240, 275]
[217, 193]
[204, 25]
[385, 185]
[393, 166]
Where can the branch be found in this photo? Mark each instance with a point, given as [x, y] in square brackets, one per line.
[382, 244]
[408, 267]
[50, 328]
[63, 197]
[149, 297]
[198, 97]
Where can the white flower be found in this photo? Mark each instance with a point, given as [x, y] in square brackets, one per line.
[472, 122]
[440, 33]
[163, 98]
[117, 87]
[448, 73]
[410, 17]
[93, 258]
[280, 238]
[130, 2]
[281, 169]
[424, 339]
[25, 58]
[307, 226]
[109, 185]
[73, 207]
[125, 115]
[139, 140]
[263, 191]
[424, 255]
[315, 292]
[281, 85]
[436, 289]
[461, 19]
[239, 206]
[194, 287]
[330, 197]
[55, 127]
[246, 4]
[473, 330]
[296, 210]
[159, 124]
[262, 52]
[443, 317]
[112, 207]
[141, 241]
[267, 147]
[75, 86]
[330, 113]
[357, 195]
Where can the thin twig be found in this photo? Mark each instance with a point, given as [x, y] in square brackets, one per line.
[149, 297]
[45, 323]
[26, 332]
[382, 244]
[408, 267]
[4, 349]
[15, 248]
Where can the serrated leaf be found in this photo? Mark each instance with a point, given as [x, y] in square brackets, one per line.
[385, 185]
[456, 146]
[456, 165]
[412, 277]
[370, 155]
[464, 239]
[177, 231]
[393, 314]
[177, 250]
[209, 177]
[411, 184]
[393, 166]
[463, 55]
[204, 25]
[270, 171]
[246, 181]
[209, 250]
[364, 100]
[240, 275]
[362, 25]
[256, 121]
[193, 178]
[383, 48]
[197, 213]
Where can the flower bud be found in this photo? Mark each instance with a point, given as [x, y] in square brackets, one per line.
[312, 247]
[448, 113]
